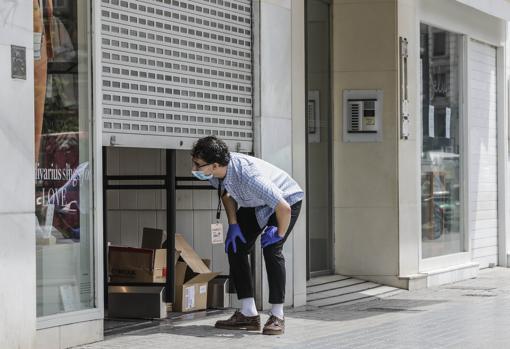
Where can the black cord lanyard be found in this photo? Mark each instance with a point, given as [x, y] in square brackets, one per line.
[218, 211]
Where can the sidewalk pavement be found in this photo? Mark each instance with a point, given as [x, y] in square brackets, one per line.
[470, 314]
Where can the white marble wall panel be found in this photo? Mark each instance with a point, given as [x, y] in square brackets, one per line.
[17, 286]
[276, 58]
[277, 142]
[70, 335]
[17, 220]
[47, 338]
[16, 135]
[274, 119]
[80, 333]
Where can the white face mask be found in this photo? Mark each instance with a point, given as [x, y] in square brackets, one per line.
[201, 175]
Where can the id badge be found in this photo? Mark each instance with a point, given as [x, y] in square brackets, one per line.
[217, 233]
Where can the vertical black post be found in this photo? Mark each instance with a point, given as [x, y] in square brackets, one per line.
[105, 238]
[170, 224]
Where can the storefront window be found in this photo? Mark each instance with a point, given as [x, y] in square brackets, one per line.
[441, 161]
[62, 157]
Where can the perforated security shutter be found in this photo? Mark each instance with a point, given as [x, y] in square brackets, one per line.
[176, 71]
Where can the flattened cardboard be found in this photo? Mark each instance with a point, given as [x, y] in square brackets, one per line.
[190, 256]
[202, 278]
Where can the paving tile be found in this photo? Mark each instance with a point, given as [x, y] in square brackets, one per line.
[440, 317]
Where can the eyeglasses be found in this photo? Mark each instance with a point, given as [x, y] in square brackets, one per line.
[197, 165]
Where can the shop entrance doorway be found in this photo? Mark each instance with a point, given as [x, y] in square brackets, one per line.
[319, 159]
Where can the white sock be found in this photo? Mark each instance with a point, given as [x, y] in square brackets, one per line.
[277, 310]
[248, 308]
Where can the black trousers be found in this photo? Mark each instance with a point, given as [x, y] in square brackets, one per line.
[240, 271]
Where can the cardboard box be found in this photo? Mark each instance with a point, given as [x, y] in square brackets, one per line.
[191, 278]
[130, 264]
[137, 302]
[145, 264]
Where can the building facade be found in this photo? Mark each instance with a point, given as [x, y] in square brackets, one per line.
[392, 114]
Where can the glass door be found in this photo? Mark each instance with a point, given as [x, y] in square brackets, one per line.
[63, 183]
[441, 157]
[319, 161]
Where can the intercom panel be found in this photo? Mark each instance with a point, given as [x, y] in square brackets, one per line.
[362, 115]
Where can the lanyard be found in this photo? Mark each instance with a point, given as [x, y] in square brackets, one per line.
[218, 211]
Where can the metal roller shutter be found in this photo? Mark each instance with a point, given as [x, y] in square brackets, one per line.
[175, 71]
[483, 160]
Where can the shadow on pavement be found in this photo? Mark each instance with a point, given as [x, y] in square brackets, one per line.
[199, 331]
[363, 310]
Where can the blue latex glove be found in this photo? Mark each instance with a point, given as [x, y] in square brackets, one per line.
[270, 236]
[234, 232]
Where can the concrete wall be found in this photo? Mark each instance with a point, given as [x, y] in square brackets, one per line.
[365, 174]
[17, 215]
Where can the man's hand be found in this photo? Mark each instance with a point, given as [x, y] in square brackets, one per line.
[270, 236]
[234, 232]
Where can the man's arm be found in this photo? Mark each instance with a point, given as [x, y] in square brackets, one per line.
[230, 208]
[268, 192]
[283, 213]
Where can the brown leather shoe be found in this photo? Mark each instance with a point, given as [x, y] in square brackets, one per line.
[274, 326]
[240, 322]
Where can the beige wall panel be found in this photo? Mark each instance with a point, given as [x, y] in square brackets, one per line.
[365, 174]
[364, 36]
[367, 244]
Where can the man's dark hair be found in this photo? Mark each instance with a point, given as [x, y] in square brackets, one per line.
[211, 150]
